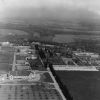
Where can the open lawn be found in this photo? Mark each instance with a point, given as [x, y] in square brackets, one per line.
[81, 85]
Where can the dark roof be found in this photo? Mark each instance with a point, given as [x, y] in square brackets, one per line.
[20, 73]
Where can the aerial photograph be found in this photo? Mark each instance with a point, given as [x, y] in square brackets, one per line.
[49, 49]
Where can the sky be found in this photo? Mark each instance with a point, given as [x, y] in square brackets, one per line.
[52, 8]
[93, 5]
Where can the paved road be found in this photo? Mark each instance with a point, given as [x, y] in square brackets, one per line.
[14, 62]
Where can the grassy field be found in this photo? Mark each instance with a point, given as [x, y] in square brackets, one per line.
[66, 38]
[6, 58]
[82, 85]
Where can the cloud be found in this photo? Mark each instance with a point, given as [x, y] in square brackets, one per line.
[51, 3]
[48, 7]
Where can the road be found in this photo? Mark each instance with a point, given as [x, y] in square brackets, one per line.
[14, 62]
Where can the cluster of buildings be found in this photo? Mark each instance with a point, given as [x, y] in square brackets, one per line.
[64, 58]
[27, 78]
[30, 67]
